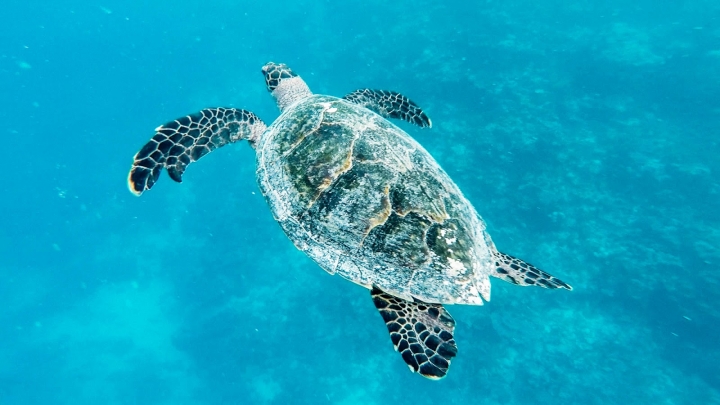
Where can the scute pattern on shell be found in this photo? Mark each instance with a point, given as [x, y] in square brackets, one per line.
[367, 202]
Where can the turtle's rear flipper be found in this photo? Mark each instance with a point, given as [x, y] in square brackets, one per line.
[390, 104]
[422, 333]
[185, 140]
[516, 271]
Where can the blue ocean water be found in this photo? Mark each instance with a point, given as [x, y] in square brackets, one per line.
[584, 132]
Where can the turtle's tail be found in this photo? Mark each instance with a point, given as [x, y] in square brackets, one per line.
[185, 140]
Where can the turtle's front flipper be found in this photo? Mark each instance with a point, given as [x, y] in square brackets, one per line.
[390, 104]
[185, 140]
[516, 271]
[422, 333]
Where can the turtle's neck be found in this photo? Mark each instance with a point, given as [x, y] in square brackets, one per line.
[290, 91]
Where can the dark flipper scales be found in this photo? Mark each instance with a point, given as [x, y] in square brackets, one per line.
[518, 272]
[185, 140]
[390, 104]
[421, 332]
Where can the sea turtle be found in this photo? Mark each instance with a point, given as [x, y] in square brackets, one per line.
[363, 199]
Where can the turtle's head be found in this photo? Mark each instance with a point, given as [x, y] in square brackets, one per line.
[286, 86]
[275, 73]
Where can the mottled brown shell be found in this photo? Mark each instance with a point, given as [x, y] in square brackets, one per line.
[366, 201]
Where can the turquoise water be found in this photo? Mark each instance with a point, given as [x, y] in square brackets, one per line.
[584, 133]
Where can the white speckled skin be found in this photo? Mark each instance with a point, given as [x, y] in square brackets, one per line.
[290, 91]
